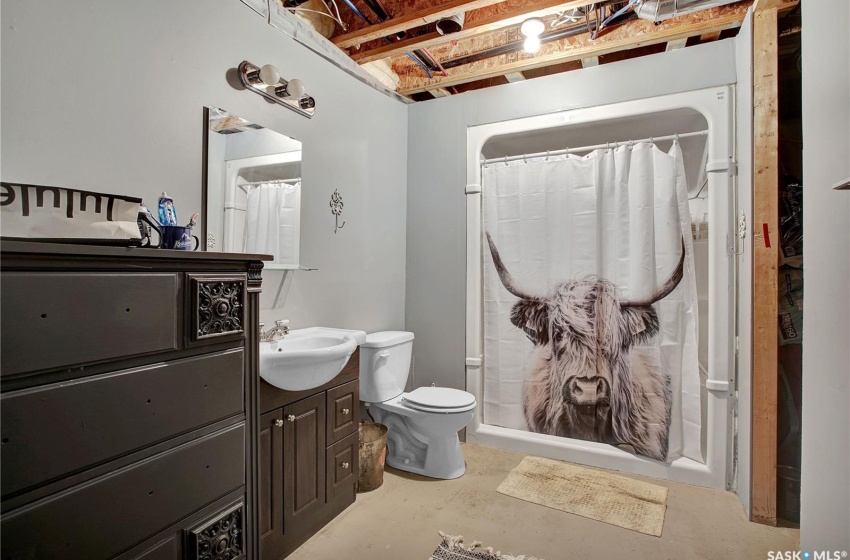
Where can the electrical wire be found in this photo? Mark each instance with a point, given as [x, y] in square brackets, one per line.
[630, 6]
[300, 9]
[358, 12]
[328, 4]
[420, 63]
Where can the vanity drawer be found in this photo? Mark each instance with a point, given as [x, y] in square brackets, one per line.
[342, 469]
[101, 518]
[342, 410]
[64, 319]
[56, 429]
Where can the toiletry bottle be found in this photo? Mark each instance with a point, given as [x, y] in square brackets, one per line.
[167, 212]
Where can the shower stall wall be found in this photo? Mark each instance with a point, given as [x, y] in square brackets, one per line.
[710, 168]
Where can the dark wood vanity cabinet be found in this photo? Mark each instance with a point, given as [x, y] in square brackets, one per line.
[130, 403]
[308, 459]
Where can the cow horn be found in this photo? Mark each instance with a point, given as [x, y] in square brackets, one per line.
[504, 275]
[665, 288]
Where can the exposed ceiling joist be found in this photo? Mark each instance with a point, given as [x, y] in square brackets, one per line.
[515, 13]
[677, 44]
[629, 35]
[708, 37]
[409, 21]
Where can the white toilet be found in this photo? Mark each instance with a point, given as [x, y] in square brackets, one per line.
[423, 423]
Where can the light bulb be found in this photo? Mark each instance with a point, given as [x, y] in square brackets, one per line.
[295, 88]
[532, 27]
[531, 45]
[269, 75]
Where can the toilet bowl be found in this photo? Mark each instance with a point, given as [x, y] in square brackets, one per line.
[423, 424]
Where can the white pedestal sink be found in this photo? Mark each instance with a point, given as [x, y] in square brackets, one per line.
[307, 358]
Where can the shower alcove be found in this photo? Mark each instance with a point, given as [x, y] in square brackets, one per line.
[704, 119]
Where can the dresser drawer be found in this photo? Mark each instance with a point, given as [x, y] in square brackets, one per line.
[343, 468]
[342, 410]
[101, 518]
[60, 428]
[67, 319]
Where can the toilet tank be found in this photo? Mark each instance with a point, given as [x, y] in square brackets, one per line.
[384, 365]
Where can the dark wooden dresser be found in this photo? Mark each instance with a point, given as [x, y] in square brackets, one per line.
[129, 403]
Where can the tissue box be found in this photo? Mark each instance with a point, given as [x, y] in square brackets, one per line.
[42, 213]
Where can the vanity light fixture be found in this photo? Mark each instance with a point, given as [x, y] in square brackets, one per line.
[532, 28]
[267, 82]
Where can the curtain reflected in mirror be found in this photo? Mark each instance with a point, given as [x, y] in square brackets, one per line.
[253, 189]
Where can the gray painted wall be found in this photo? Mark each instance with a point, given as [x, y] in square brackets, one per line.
[825, 498]
[436, 204]
[121, 111]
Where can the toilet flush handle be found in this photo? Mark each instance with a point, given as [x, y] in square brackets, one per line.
[384, 354]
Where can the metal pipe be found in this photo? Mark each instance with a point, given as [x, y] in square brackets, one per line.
[552, 153]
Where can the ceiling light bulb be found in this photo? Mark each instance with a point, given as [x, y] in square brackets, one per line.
[295, 88]
[532, 27]
[269, 75]
[532, 44]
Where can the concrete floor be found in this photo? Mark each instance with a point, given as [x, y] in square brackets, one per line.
[401, 519]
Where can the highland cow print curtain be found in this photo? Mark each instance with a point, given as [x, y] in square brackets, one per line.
[590, 310]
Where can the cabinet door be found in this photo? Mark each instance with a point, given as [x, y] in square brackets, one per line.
[342, 411]
[343, 468]
[271, 483]
[303, 464]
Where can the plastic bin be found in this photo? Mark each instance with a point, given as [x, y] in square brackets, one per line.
[373, 455]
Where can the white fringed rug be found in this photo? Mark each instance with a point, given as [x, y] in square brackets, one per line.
[452, 548]
[600, 495]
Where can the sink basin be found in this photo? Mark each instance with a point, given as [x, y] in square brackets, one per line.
[307, 358]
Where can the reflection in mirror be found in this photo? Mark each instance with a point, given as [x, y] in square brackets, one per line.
[253, 190]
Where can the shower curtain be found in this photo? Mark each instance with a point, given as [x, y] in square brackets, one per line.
[587, 241]
[271, 221]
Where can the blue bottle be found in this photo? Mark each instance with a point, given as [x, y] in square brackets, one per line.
[167, 211]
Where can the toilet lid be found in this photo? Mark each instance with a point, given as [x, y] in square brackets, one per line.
[439, 398]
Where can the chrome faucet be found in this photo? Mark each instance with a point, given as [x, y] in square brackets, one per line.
[280, 329]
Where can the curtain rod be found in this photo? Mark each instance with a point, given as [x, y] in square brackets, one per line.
[506, 159]
[255, 183]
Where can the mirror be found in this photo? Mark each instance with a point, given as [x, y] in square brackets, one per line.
[252, 196]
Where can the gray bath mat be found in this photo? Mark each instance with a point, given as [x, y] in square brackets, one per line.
[600, 495]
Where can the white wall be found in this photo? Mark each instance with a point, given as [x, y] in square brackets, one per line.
[436, 224]
[108, 96]
[825, 498]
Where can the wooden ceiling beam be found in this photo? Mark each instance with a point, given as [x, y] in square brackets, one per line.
[409, 21]
[633, 34]
[517, 12]
[708, 37]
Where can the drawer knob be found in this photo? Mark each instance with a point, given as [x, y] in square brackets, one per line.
[291, 418]
[345, 465]
[345, 411]
[278, 423]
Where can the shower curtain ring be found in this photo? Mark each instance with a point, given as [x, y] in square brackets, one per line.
[676, 138]
[547, 155]
[506, 161]
[525, 158]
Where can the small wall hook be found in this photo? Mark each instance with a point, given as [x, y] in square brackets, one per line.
[336, 209]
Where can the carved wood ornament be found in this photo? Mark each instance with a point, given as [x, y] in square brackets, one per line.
[219, 539]
[220, 306]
